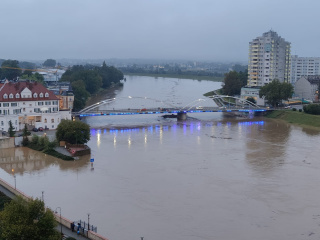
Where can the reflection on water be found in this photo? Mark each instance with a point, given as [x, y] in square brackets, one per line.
[266, 146]
[25, 160]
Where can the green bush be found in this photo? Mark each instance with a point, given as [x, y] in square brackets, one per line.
[35, 139]
[300, 110]
[294, 109]
[312, 109]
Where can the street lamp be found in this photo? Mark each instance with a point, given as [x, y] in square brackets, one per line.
[60, 219]
[15, 181]
[88, 224]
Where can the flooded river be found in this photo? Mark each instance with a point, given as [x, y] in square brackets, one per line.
[209, 177]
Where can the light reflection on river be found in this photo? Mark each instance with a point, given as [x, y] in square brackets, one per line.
[209, 177]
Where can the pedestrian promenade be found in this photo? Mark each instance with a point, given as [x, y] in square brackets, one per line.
[64, 224]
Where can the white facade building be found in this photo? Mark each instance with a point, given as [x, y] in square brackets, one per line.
[269, 59]
[304, 66]
[29, 103]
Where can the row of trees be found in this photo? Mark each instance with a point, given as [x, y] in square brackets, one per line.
[89, 79]
[12, 69]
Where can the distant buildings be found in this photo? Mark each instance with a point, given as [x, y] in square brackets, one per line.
[269, 59]
[307, 87]
[30, 103]
[304, 66]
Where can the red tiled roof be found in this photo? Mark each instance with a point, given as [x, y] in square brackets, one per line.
[18, 87]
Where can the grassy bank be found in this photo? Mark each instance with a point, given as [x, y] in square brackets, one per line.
[194, 77]
[296, 117]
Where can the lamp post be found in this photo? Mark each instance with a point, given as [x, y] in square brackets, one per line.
[88, 224]
[60, 220]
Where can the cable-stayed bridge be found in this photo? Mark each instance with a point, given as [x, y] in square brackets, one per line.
[144, 105]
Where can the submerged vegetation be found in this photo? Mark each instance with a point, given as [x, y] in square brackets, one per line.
[43, 144]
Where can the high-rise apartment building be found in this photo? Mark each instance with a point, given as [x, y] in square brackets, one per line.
[269, 59]
[304, 66]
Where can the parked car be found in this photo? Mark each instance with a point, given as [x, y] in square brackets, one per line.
[40, 129]
[35, 129]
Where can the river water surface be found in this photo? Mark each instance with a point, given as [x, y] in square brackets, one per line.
[209, 177]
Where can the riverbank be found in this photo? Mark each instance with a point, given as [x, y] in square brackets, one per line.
[194, 77]
[295, 117]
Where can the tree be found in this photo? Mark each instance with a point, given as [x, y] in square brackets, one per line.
[81, 95]
[74, 132]
[11, 130]
[233, 82]
[37, 77]
[275, 92]
[25, 135]
[49, 63]
[10, 69]
[23, 219]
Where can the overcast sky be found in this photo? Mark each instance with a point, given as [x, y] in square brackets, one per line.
[209, 30]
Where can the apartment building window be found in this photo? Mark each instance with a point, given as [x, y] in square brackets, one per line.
[46, 95]
[17, 95]
[35, 95]
[11, 95]
[52, 120]
[14, 104]
[5, 104]
[5, 96]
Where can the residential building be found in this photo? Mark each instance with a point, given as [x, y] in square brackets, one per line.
[304, 66]
[64, 92]
[30, 103]
[307, 87]
[269, 59]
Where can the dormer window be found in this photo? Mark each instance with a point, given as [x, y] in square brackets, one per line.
[17, 95]
[11, 95]
[5, 96]
[46, 95]
[35, 95]
[41, 95]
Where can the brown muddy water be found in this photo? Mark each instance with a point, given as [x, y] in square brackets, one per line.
[209, 177]
[199, 179]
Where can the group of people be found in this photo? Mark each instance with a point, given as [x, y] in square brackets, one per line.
[78, 227]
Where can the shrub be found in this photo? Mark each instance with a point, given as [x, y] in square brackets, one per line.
[294, 109]
[300, 110]
[35, 139]
[312, 109]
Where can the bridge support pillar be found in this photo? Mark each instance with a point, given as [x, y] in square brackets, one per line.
[181, 116]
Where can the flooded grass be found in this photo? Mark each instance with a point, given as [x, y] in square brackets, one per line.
[296, 117]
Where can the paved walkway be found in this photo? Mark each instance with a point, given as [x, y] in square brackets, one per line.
[68, 233]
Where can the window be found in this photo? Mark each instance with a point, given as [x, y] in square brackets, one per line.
[40, 103]
[46, 95]
[52, 120]
[35, 95]
[17, 95]
[11, 95]
[14, 104]
[41, 95]
[5, 96]
[1, 123]
[45, 120]
[5, 104]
